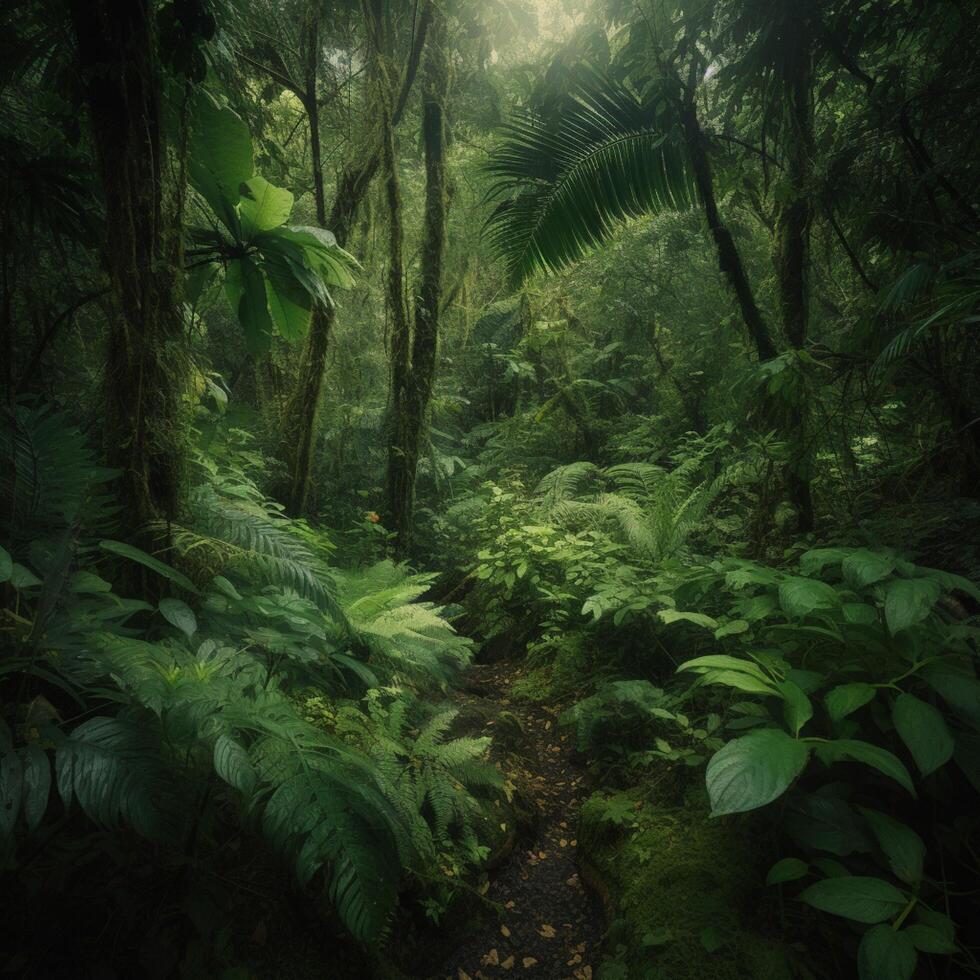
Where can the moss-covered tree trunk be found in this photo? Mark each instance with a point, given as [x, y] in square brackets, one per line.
[145, 371]
[300, 413]
[791, 248]
[729, 259]
[413, 358]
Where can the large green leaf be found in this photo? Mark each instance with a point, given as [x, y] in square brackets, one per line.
[219, 158]
[744, 675]
[930, 940]
[115, 771]
[852, 750]
[232, 764]
[886, 954]
[788, 869]
[37, 784]
[753, 770]
[908, 601]
[901, 845]
[956, 682]
[801, 596]
[253, 308]
[6, 565]
[797, 709]
[179, 614]
[847, 698]
[332, 263]
[825, 823]
[289, 302]
[924, 731]
[678, 616]
[856, 897]
[814, 561]
[263, 206]
[863, 568]
[154, 564]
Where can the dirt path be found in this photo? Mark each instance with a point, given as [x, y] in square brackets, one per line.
[551, 925]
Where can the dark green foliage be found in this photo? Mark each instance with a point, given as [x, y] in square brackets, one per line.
[656, 378]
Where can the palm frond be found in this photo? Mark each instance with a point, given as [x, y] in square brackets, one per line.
[563, 191]
[954, 301]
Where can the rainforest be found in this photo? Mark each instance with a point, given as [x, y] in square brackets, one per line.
[489, 489]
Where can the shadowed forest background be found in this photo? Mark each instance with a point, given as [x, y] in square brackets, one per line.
[490, 488]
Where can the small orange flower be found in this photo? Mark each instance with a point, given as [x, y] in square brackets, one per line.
[373, 517]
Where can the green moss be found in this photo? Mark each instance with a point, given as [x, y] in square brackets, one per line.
[557, 668]
[535, 685]
[686, 892]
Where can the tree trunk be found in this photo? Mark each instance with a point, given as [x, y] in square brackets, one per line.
[146, 366]
[729, 259]
[413, 371]
[791, 252]
[300, 412]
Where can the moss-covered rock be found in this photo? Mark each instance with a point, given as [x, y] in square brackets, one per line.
[556, 668]
[685, 893]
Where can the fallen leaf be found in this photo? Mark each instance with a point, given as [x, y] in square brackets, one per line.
[528, 962]
[547, 931]
[491, 959]
[574, 960]
[504, 931]
[463, 975]
[507, 963]
[511, 904]
[563, 843]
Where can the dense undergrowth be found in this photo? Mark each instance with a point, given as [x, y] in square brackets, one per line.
[630, 345]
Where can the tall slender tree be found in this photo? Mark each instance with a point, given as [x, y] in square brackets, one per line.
[414, 340]
[145, 374]
[299, 423]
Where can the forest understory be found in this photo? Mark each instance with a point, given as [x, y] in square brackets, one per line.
[489, 488]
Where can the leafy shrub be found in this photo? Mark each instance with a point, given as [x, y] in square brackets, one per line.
[852, 674]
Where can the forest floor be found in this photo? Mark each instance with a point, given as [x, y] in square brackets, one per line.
[550, 925]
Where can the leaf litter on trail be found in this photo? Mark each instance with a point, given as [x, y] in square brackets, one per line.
[532, 877]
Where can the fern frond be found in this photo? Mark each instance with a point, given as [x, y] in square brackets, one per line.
[49, 476]
[564, 483]
[114, 769]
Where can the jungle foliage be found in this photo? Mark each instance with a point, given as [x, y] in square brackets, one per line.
[345, 342]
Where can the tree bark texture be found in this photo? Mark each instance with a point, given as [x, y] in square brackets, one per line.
[413, 358]
[146, 367]
[299, 424]
[791, 247]
[729, 259]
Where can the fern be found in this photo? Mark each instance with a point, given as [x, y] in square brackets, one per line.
[652, 511]
[49, 477]
[113, 767]
[255, 543]
[409, 639]
[565, 483]
[955, 297]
